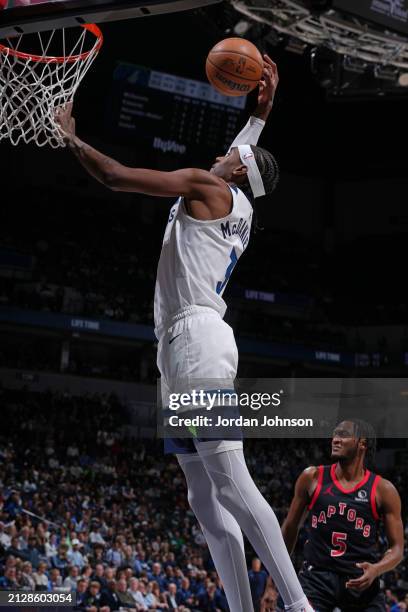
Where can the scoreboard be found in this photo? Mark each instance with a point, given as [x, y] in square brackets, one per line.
[172, 114]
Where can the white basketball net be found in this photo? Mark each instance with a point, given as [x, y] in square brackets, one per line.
[32, 86]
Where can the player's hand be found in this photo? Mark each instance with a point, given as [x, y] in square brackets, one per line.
[65, 121]
[365, 580]
[268, 84]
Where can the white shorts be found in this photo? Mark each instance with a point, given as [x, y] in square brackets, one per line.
[197, 345]
[197, 351]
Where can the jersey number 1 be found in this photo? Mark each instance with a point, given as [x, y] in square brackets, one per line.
[339, 544]
[233, 263]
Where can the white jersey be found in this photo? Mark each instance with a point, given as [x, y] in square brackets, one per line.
[197, 259]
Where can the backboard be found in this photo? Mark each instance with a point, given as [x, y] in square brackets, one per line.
[26, 16]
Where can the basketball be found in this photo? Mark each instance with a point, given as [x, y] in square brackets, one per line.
[234, 66]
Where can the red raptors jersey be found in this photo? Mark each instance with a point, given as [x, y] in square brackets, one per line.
[342, 529]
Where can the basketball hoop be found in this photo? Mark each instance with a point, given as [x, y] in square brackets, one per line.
[35, 82]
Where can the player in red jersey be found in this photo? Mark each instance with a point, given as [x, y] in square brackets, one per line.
[345, 502]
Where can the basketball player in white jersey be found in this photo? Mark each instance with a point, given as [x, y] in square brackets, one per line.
[207, 231]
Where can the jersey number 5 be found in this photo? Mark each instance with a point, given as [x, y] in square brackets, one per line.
[233, 263]
[339, 544]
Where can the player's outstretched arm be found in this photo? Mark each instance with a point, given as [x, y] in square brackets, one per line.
[389, 504]
[299, 507]
[192, 183]
[267, 88]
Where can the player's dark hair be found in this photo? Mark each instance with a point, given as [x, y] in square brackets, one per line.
[362, 429]
[269, 169]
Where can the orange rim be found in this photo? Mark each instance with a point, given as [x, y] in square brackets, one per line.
[49, 59]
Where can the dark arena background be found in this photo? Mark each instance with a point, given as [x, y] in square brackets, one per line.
[86, 493]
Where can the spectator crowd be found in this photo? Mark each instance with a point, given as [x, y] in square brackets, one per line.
[86, 508]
